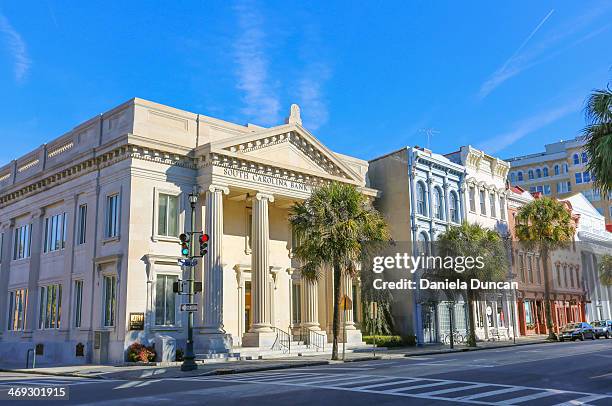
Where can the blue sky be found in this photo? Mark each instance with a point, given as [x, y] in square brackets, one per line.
[505, 76]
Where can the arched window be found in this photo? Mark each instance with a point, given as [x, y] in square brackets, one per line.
[423, 242]
[538, 173]
[421, 201]
[576, 159]
[530, 174]
[438, 204]
[585, 158]
[512, 177]
[556, 169]
[545, 171]
[453, 207]
[520, 176]
[565, 168]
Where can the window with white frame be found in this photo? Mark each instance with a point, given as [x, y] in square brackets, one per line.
[78, 302]
[530, 173]
[585, 158]
[576, 159]
[483, 203]
[545, 171]
[50, 307]
[421, 199]
[547, 189]
[165, 300]
[556, 169]
[109, 293]
[55, 232]
[168, 215]
[472, 193]
[438, 204]
[493, 204]
[82, 225]
[454, 207]
[578, 176]
[586, 177]
[296, 300]
[112, 216]
[18, 300]
[502, 208]
[22, 242]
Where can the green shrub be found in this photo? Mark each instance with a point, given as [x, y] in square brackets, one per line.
[138, 352]
[390, 341]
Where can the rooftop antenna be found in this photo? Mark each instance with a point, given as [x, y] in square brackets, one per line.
[429, 132]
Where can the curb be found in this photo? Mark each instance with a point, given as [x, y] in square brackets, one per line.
[469, 349]
[30, 372]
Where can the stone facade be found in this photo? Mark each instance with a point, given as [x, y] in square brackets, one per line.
[90, 226]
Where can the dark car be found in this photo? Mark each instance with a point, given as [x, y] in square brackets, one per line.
[603, 328]
[579, 331]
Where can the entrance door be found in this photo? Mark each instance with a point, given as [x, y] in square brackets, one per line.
[247, 306]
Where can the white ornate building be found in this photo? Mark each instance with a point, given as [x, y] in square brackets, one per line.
[90, 222]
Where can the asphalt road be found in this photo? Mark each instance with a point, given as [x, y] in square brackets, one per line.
[545, 374]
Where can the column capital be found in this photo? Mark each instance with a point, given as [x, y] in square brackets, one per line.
[36, 214]
[7, 225]
[215, 188]
[261, 196]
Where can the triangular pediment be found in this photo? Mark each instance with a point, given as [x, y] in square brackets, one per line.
[289, 146]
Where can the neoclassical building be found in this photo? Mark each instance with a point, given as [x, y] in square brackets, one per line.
[421, 197]
[90, 224]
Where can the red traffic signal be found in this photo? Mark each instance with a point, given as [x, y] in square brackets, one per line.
[204, 238]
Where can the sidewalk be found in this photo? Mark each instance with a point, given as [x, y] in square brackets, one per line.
[139, 372]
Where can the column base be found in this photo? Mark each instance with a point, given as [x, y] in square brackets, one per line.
[259, 339]
[353, 337]
[213, 343]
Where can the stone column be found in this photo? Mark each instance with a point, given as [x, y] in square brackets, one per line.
[310, 298]
[261, 333]
[353, 336]
[214, 339]
[5, 265]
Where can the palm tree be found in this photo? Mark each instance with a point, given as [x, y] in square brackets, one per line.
[544, 225]
[333, 227]
[605, 270]
[598, 133]
[472, 241]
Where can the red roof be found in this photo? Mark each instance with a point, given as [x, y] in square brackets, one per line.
[609, 227]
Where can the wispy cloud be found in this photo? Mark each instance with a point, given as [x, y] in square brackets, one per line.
[311, 96]
[529, 125]
[17, 48]
[531, 53]
[259, 95]
[513, 65]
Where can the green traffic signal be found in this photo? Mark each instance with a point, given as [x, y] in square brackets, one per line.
[184, 246]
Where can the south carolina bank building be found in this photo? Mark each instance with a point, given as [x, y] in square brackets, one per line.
[89, 229]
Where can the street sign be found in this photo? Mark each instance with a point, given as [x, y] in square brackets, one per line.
[189, 307]
[188, 262]
[347, 303]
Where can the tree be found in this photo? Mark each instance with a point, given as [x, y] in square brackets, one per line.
[544, 225]
[334, 226]
[598, 134]
[605, 270]
[475, 242]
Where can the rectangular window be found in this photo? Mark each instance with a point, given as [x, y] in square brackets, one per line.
[492, 204]
[112, 216]
[110, 298]
[78, 302]
[55, 232]
[502, 208]
[82, 225]
[483, 203]
[528, 316]
[537, 270]
[586, 177]
[522, 267]
[165, 300]
[18, 301]
[472, 198]
[530, 269]
[168, 215]
[23, 238]
[547, 189]
[578, 177]
[296, 299]
[50, 306]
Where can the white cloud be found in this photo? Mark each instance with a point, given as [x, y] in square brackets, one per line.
[16, 47]
[529, 125]
[259, 95]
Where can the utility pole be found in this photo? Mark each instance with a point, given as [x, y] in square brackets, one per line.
[189, 359]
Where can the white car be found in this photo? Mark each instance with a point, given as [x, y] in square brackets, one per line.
[602, 328]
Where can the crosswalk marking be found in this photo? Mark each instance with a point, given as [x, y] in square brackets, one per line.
[409, 387]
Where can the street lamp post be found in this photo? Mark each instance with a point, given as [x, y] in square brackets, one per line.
[189, 359]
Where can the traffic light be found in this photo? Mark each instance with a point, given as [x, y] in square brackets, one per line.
[184, 244]
[204, 244]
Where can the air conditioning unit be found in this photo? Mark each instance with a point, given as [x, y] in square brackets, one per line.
[100, 347]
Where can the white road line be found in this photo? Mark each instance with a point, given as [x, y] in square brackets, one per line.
[549, 392]
[328, 380]
[601, 376]
[367, 380]
[128, 384]
[427, 385]
[443, 391]
[378, 385]
[582, 401]
[491, 393]
[342, 368]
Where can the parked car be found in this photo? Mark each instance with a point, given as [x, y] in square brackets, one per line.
[603, 328]
[580, 331]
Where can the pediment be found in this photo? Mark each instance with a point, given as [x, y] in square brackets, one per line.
[289, 146]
